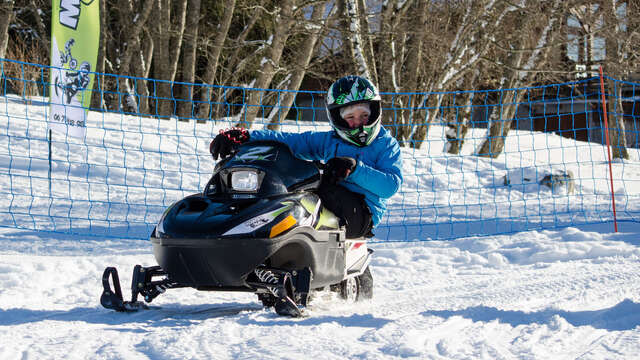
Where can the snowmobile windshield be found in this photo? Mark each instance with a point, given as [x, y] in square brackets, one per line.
[263, 168]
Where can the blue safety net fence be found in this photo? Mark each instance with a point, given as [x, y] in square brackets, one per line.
[142, 151]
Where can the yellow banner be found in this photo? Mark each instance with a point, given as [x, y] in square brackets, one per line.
[75, 36]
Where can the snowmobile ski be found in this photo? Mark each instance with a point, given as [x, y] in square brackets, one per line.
[142, 283]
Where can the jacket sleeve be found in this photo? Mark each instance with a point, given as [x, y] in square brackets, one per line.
[385, 179]
[306, 145]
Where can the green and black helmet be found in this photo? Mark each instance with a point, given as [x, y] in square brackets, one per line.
[351, 90]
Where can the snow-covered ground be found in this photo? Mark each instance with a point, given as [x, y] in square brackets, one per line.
[564, 293]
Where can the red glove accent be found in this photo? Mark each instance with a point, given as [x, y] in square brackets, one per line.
[227, 141]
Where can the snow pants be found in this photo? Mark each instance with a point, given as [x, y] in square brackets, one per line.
[349, 206]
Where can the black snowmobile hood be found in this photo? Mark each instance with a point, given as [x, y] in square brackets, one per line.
[282, 178]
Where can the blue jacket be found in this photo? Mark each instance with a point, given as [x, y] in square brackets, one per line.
[378, 173]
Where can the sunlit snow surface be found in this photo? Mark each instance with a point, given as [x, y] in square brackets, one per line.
[567, 293]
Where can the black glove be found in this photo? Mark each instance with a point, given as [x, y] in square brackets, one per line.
[225, 143]
[339, 168]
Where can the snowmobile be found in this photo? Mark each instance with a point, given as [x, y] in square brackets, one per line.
[258, 226]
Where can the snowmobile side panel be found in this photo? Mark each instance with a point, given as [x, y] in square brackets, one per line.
[207, 263]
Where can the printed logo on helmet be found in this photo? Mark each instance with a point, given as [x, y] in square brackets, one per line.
[355, 94]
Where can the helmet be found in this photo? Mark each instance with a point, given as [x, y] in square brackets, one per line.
[351, 90]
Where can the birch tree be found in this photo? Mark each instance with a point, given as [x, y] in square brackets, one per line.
[283, 19]
[354, 28]
[522, 54]
[315, 27]
[394, 34]
[365, 38]
[473, 32]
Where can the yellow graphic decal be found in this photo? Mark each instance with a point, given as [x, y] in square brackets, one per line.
[283, 225]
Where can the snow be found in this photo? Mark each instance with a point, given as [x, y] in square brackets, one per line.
[571, 292]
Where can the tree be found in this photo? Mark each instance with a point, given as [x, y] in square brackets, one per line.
[6, 16]
[410, 76]
[355, 30]
[213, 57]
[97, 99]
[207, 55]
[462, 102]
[620, 38]
[393, 35]
[472, 32]
[167, 34]
[185, 107]
[131, 53]
[517, 56]
[283, 19]
[315, 26]
[28, 41]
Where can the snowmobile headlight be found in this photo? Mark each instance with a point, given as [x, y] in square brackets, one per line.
[244, 180]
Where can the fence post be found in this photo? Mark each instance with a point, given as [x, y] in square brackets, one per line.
[49, 172]
[606, 134]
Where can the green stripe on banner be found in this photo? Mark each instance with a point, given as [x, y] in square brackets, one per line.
[75, 36]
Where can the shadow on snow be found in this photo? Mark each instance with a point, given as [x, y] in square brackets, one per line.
[182, 315]
[623, 316]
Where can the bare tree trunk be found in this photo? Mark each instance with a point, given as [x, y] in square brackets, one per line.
[515, 72]
[344, 26]
[161, 90]
[433, 101]
[97, 100]
[176, 40]
[393, 40]
[140, 66]
[617, 138]
[44, 44]
[500, 125]
[616, 68]
[282, 21]
[352, 36]
[367, 43]
[475, 30]
[213, 58]
[6, 16]
[132, 39]
[414, 57]
[458, 127]
[302, 61]
[168, 41]
[185, 110]
[457, 131]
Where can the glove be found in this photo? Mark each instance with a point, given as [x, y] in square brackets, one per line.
[339, 168]
[226, 142]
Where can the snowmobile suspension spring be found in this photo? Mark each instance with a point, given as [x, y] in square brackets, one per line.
[266, 276]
